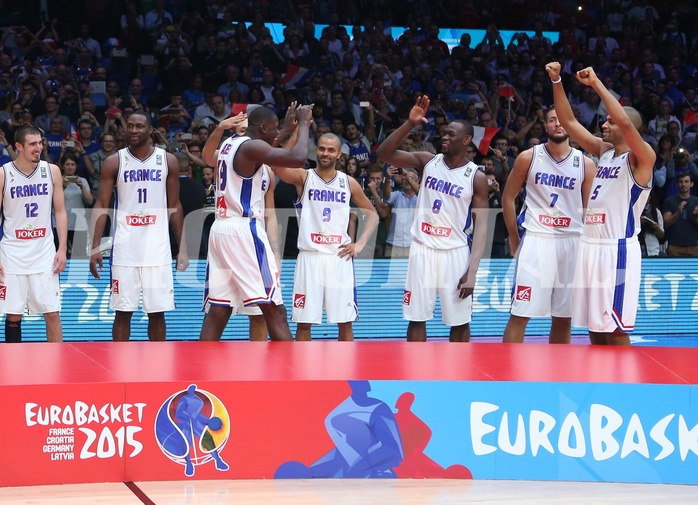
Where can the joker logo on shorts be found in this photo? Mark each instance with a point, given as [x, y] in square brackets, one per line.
[523, 293]
[406, 297]
[115, 286]
[298, 301]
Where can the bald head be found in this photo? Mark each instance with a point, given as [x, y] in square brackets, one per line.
[635, 117]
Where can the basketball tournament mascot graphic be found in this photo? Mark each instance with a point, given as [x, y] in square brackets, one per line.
[191, 428]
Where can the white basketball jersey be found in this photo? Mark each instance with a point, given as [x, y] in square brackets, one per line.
[553, 193]
[141, 234]
[323, 213]
[444, 205]
[26, 240]
[238, 196]
[616, 200]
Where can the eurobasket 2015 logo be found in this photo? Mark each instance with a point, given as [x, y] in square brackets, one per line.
[192, 428]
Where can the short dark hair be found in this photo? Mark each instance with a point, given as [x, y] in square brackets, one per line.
[467, 127]
[141, 112]
[259, 116]
[23, 131]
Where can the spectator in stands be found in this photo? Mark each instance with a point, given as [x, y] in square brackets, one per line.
[679, 165]
[402, 203]
[54, 136]
[499, 239]
[174, 116]
[321, 127]
[232, 74]
[192, 150]
[658, 126]
[681, 220]
[77, 197]
[192, 195]
[374, 191]
[155, 18]
[194, 96]
[85, 145]
[652, 228]
[136, 95]
[218, 112]
[356, 144]
[351, 167]
[69, 103]
[108, 147]
[51, 107]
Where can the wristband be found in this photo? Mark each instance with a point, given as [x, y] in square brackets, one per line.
[559, 79]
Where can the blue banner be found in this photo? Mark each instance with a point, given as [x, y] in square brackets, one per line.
[554, 431]
[667, 306]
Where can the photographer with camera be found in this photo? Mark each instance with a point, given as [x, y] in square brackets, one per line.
[680, 164]
[77, 195]
[402, 203]
[16, 120]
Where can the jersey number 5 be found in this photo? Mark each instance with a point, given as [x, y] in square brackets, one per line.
[595, 193]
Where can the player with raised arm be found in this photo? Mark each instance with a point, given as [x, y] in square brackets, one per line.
[557, 180]
[242, 267]
[238, 125]
[452, 198]
[608, 271]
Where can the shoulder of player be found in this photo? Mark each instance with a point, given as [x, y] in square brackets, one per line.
[172, 159]
[480, 185]
[425, 157]
[252, 145]
[353, 184]
[588, 159]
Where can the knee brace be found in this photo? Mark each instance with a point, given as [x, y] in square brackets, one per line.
[13, 331]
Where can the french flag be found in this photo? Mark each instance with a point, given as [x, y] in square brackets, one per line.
[690, 119]
[482, 138]
[295, 76]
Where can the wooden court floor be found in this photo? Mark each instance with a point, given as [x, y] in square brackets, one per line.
[349, 492]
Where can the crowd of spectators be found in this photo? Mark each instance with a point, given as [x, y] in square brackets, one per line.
[78, 77]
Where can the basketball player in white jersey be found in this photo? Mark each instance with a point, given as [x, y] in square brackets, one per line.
[146, 181]
[265, 200]
[241, 264]
[556, 179]
[608, 269]
[29, 261]
[324, 276]
[452, 198]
